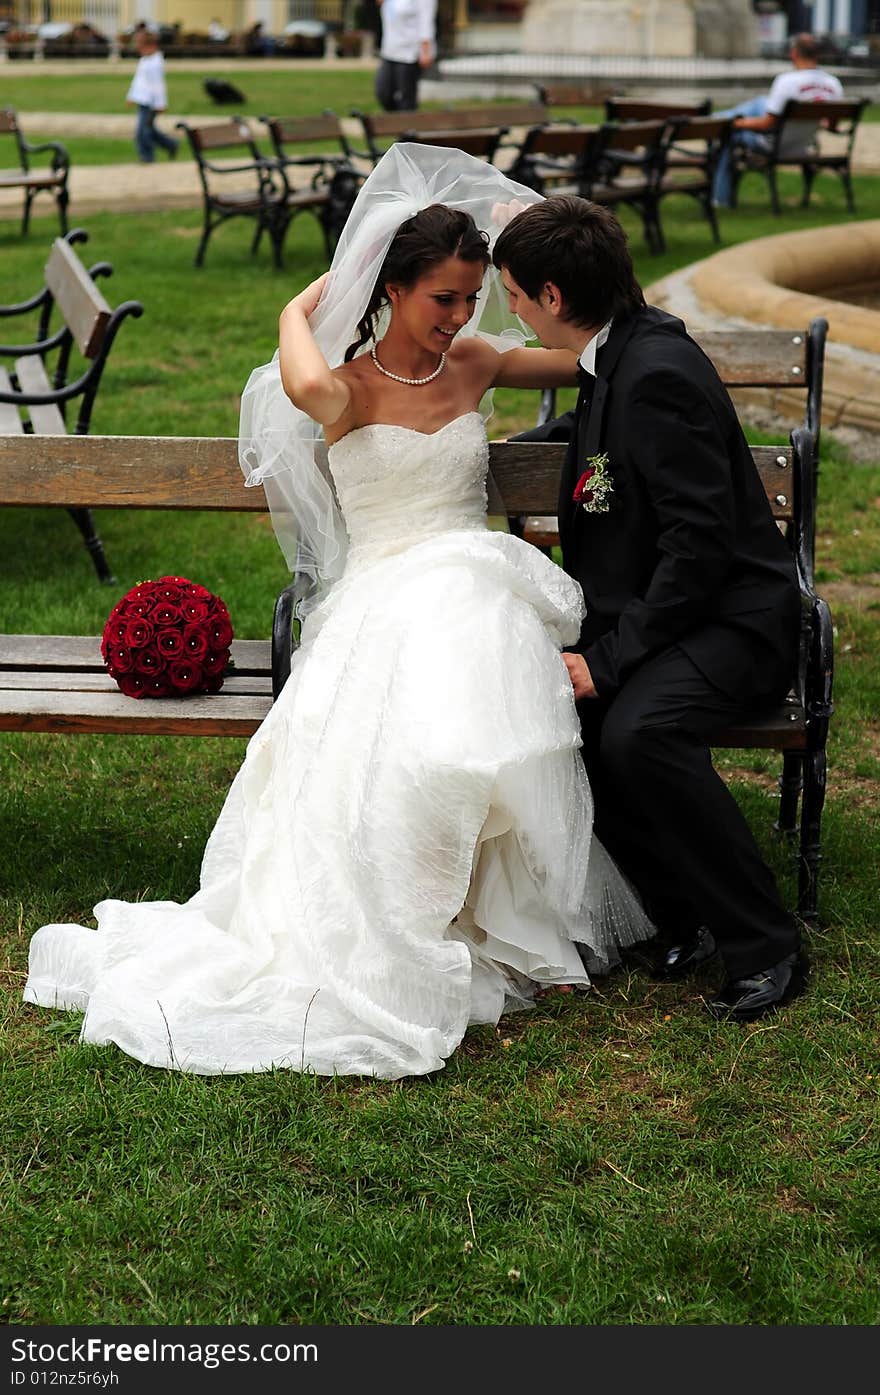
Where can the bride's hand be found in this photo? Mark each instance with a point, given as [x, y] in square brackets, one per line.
[307, 300]
[503, 212]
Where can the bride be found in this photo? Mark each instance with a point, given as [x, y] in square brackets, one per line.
[407, 848]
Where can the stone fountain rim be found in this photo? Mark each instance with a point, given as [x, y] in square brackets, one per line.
[765, 281]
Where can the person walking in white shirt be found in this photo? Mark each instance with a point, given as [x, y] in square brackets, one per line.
[407, 47]
[149, 94]
[755, 119]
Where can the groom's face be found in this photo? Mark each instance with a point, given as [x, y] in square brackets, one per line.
[537, 314]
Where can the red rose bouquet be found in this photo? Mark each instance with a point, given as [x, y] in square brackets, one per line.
[167, 638]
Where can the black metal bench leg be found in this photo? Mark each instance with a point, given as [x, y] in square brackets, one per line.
[791, 782]
[774, 192]
[810, 849]
[706, 203]
[808, 174]
[86, 525]
[848, 190]
[26, 219]
[206, 233]
[63, 200]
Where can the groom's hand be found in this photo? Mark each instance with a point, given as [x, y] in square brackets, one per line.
[579, 674]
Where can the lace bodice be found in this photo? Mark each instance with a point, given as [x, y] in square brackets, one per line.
[397, 486]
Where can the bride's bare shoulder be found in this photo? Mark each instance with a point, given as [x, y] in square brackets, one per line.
[357, 377]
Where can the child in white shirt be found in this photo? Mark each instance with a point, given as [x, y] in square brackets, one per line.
[149, 94]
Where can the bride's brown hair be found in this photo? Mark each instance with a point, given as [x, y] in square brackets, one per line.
[420, 244]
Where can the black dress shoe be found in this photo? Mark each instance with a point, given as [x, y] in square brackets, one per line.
[744, 999]
[679, 960]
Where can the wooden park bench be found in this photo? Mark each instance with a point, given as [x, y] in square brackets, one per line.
[653, 109]
[35, 181]
[793, 143]
[382, 129]
[58, 683]
[318, 148]
[50, 369]
[244, 183]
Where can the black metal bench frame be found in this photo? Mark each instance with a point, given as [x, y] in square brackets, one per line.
[36, 181]
[844, 116]
[36, 389]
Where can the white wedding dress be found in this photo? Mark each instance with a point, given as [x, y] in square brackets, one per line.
[407, 846]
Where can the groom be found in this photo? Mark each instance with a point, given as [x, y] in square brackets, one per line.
[692, 600]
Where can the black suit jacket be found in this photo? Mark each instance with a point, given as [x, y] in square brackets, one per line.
[689, 549]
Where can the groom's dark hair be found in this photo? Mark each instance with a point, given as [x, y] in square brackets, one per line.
[579, 246]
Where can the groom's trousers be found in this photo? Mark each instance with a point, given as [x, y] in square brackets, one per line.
[667, 817]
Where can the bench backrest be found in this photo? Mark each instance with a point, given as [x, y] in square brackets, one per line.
[643, 136]
[479, 143]
[9, 127]
[570, 94]
[202, 472]
[634, 109]
[799, 122]
[219, 135]
[577, 141]
[42, 376]
[84, 309]
[301, 130]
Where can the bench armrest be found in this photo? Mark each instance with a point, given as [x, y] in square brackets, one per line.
[61, 159]
[284, 639]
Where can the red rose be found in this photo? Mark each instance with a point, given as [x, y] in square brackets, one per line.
[165, 614]
[581, 486]
[132, 684]
[220, 632]
[185, 676]
[120, 659]
[195, 642]
[169, 643]
[138, 633]
[194, 610]
[148, 662]
[215, 661]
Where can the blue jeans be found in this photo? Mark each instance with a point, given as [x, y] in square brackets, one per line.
[722, 185]
[147, 136]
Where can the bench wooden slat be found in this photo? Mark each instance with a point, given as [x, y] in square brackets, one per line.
[85, 310]
[71, 652]
[76, 712]
[229, 133]
[10, 422]
[194, 472]
[758, 358]
[88, 681]
[46, 420]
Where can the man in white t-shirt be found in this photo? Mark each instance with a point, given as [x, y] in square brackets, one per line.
[407, 47]
[753, 120]
[149, 94]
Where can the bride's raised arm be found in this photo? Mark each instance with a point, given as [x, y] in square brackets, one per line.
[526, 368]
[306, 376]
[537, 368]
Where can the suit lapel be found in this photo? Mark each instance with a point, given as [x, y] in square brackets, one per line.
[586, 440]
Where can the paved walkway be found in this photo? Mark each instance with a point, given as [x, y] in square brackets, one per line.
[169, 184]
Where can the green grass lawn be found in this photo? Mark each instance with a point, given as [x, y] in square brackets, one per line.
[617, 1158]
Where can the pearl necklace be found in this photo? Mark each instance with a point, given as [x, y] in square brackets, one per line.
[410, 382]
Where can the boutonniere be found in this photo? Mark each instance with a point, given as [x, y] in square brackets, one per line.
[594, 486]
